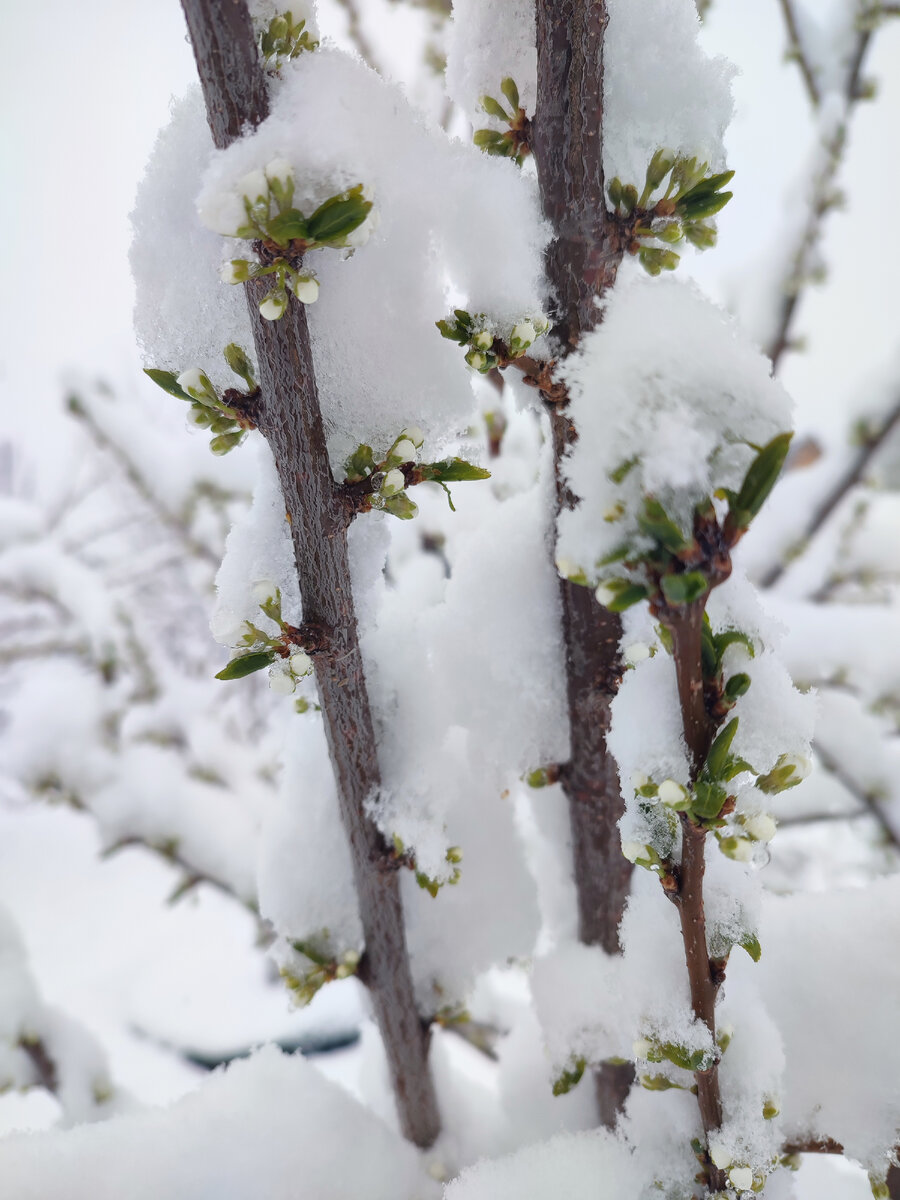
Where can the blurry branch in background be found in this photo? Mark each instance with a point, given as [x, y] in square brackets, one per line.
[171, 853]
[868, 798]
[140, 485]
[357, 35]
[824, 195]
[703, 7]
[854, 476]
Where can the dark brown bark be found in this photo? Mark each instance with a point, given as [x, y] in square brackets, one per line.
[290, 419]
[582, 263]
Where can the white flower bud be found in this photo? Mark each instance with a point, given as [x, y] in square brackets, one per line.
[280, 681]
[635, 850]
[802, 765]
[361, 234]
[741, 1178]
[264, 590]
[405, 451]
[524, 333]
[636, 652]
[306, 289]
[195, 382]
[254, 186]
[720, 1155]
[641, 1047]
[566, 567]
[301, 663]
[672, 793]
[605, 594]
[639, 779]
[761, 826]
[226, 627]
[273, 306]
[740, 849]
[483, 340]
[415, 435]
[394, 482]
[234, 271]
[279, 170]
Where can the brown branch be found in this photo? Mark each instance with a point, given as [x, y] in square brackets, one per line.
[844, 485]
[357, 36]
[686, 626]
[582, 263]
[797, 52]
[821, 203]
[46, 1074]
[291, 421]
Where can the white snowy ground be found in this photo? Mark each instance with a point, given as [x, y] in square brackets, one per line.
[84, 90]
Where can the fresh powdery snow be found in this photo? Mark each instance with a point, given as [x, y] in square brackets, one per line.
[491, 40]
[264, 1127]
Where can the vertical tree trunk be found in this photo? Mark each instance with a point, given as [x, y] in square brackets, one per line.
[582, 262]
[291, 421]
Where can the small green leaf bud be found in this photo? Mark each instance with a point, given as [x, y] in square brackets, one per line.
[615, 192]
[454, 854]
[226, 441]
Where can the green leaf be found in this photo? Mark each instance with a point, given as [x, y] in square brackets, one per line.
[618, 475]
[569, 1078]
[246, 664]
[732, 637]
[684, 589]
[760, 479]
[735, 767]
[239, 362]
[452, 332]
[631, 594]
[465, 319]
[703, 206]
[511, 92]
[717, 758]
[360, 465]
[400, 506]
[750, 943]
[658, 1083]
[618, 554]
[287, 226]
[486, 137]
[168, 381]
[339, 216]
[708, 799]
[655, 522]
[707, 187]
[453, 470]
[494, 108]
[688, 1060]
[737, 686]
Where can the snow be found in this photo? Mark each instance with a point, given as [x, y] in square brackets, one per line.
[261, 1127]
[488, 41]
[669, 381]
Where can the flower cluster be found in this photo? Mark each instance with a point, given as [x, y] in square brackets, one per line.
[262, 211]
[515, 141]
[381, 483]
[489, 347]
[227, 417]
[312, 967]
[681, 214]
[283, 654]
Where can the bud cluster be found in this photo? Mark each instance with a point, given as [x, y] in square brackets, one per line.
[428, 883]
[304, 981]
[487, 347]
[381, 484]
[515, 141]
[227, 417]
[282, 234]
[281, 39]
[681, 214]
[286, 659]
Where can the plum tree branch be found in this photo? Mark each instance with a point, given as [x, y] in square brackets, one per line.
[291, 421]
[582, 262]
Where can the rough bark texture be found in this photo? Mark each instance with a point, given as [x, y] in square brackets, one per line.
[582, 263]
[290, 419]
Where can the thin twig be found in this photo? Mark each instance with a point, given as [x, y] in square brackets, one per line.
[865, 796]
[357, 35]
[797, 52]
[101, 438]
[844, 485]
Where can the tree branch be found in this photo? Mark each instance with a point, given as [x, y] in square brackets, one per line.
[865, 796]
[844, 485]
[582, 263]
[797, 52]
[291, 421]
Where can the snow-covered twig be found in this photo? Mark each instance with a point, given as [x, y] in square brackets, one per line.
[290, 418]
